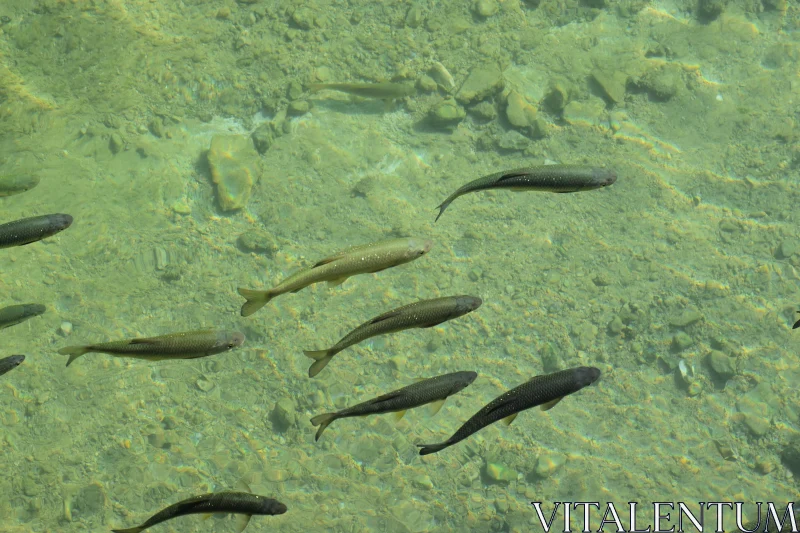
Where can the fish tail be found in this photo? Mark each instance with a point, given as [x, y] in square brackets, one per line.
[73, 352]
[315, 87]
[129, 530]
[426, 449]
[321, 360]
[322, 421]
[441, 207]
[255, 300]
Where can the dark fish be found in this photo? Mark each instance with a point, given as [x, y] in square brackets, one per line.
[544, 390]
[796, 324]
[185, 345]
[369, 90]
[422, 314]
[545, 178]
[10, 363]
[14, 314]
[433, 391]
[28, 230]
[17, 183]
[335, 269]
[241, 503]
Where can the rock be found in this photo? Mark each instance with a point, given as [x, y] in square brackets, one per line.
[710, 9]
[616, 326]
[298, 107]
[486, 8]
[65, 330]
[115, 143]
[447, 113]
[788, 248]
[499, 473]
[790, 456]
[484, 111]
[681, 341]
[612, 84]
[89, 501]
[663, 83]
[755, 408]
[721, 364]
[687, 317]
[265, 135]
[512, 141]
[520, 113]
[258, 241]
[233, 162]
[548, 463]
[414, 17]
[283, 415]
[427, 84]
[483, 81]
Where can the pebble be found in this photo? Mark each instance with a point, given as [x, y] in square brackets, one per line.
[548, 464]
[447, 113]
[204, 384]
[232, 159]
[486, 8]
[284, 415]
[681, 341]
[721, 364]
[482, 81]
[258, 241]
[65, 329]
[115, 143]
[688, 317]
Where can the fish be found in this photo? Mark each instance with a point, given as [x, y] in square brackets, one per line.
[244, 504]
[432, 391]
[796, 324]
[545, 178]
[545, 390]
[421, 314]
[11, 362]
[28, 230]
[14, 314]
[17, 183]
[364, 259]
[384, 90]
[185, 345]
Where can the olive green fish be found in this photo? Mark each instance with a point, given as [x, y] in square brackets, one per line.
[545, 178]
[17, 183]
[422, 314]
[386, 90]
[185, 345]
[432, 391]
[337, 268]
[10, 363]
[243, 504]
[28, 230]
[546, 390]
[14, 314]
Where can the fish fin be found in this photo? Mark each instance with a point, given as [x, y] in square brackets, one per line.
[255, 300]
[322, 421]
[129, 530]
[321, 360]
[398, 415]
[441, 207]
[434, 324]
[426, 449]
[242, 486]
[510, 418]
[142, 341]
[796, 325]
[436, 406]
[73, 352]
[510, 176]
[241, 521]
[384, 316]
[206, 516]
[336, 282]
[552, 403]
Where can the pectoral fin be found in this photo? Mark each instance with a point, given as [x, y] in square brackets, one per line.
[241, 522]
[398, 415]
[510, 418]
[552, 403]
[436, 406]
[336, 282]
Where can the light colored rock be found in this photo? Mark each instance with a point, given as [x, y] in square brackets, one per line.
[234, 162]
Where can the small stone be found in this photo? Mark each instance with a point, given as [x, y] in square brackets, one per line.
[447, 113]
[612, 84]
[265, 135]
[304, 18]
[616, 326]
[434, 345]
[790, 456]
[681, 341]
[484, 111]
[284, 415]
[486, 8]
[258, 241]
[115, 143]
[695, 388]
[788, 248]
[663, 83]
[180, 207]
[686, 318]
[298, 107]
[89, 501]
[156, 127]
[423, 482]
[482, 82]
[398, 362]
[710, 9]
[721, 364]
[414, 17]
[548, 464]
[427, 84]
[156, 438]
[520, 113]
[204, 384]
[232, 159]
[499, 472]
[65, 329]
[224, 13]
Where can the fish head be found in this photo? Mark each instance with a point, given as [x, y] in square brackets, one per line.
[603, 177]
[230, 339]
[61, 221]
[467, 304]
[270, 506]
[418, 247]
[462, 380]
[586, 375]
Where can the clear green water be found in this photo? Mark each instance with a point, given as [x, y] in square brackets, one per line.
[113, 104]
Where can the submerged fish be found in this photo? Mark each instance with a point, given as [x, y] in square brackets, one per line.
[185, 345]
[384, 90]
[546, 178]
[14, 314]
[337, 268]
[10, 363]
[241, 503]
[422, 314]
[28, 230]
[433, 391]
[796, 324]
[17, 183]
[546, 390]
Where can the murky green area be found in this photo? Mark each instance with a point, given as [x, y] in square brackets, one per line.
[690, 261]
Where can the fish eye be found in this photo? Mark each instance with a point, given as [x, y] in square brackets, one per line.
[230, 345]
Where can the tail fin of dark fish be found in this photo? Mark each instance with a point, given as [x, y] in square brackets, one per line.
[73, 352]
[255, 300]
[322, 421]
[441, 207]
[321, 360]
